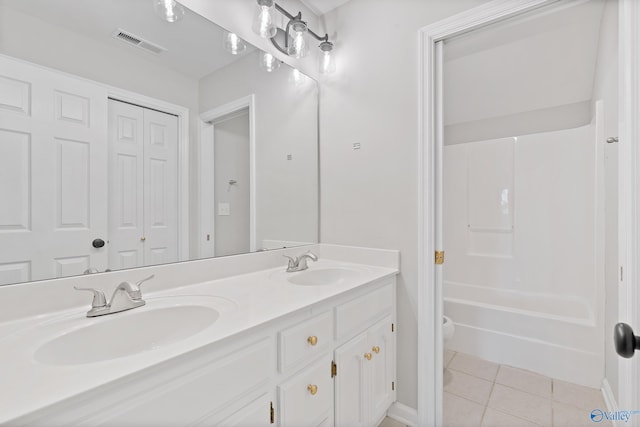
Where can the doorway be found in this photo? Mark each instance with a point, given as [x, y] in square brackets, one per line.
[228, 179]
[434, 134]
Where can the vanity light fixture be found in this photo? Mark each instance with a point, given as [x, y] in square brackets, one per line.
[268, 62]
[327, 61]
[234, 44]
[169, 10]
[264, 22]
[293, 40]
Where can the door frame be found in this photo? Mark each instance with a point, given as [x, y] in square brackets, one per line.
[182, 114]
[206, 208]
[430, 363]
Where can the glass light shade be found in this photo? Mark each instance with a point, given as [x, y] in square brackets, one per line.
[234, 44]
[264, 20]
[298, 43]
[327, 60]
[268, 62]
[169, 10]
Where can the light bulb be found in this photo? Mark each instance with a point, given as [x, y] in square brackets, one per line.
[327, 61]
[234, 44]
[263, 23]
[169, 10]
[268, 62]
[298, 45]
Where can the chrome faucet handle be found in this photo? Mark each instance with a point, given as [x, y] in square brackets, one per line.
[293, 262]
[140, 282]
[302, 264]
[134, 289]
[99, 300]
[310, 255]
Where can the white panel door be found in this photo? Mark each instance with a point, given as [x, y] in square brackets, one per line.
[160, 187]
[143, 192]
[53, 165]
[126, 192]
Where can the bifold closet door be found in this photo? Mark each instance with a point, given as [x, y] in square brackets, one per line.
[160, 187]
[143, 189]
[126, 193]
[53, 166]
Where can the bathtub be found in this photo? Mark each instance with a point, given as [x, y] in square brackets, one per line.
[548, 334]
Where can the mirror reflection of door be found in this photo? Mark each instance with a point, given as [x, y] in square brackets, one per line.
[143, 193]
[231, 184]
[50, 148]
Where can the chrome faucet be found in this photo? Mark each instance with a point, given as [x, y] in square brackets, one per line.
[126, 296]
[300, 263]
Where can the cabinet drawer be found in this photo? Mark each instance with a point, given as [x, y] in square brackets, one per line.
[306, 340]
[305, 400]
[358, 314]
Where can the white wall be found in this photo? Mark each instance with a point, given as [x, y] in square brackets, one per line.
[34, 40]
[606, 89]
[369, 195]
[286, 121]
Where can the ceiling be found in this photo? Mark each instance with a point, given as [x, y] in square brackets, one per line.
[320, 7]
[536, 62]
[194, 44]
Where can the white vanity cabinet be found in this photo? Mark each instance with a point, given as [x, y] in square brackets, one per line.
[328, 364]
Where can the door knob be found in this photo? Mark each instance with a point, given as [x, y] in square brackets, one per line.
[97, 243]
[625, 341]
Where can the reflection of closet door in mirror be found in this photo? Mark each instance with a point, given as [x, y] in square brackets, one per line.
[143, 150]
[52, 169]
[160, 187]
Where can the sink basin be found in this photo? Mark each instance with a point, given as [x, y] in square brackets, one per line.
[323, 276]
[114, 336]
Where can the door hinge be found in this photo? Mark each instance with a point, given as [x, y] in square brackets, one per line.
[439, 257]
[621, 274]
[272, 413]
[393, 327]
[393, 385]
[334, 369]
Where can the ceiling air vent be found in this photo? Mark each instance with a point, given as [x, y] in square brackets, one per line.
[134, 40]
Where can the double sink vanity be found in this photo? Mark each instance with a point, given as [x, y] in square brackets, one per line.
[252, 345]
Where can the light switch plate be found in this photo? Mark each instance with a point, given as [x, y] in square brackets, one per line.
[224, 209]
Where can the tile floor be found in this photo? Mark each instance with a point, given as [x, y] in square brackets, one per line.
[478, 393]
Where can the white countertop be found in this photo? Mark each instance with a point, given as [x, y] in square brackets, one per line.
[243, 301]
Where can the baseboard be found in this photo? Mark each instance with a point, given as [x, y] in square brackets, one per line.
[403, 414]
[610, 400]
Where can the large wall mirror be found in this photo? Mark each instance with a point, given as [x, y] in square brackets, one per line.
[128, 141]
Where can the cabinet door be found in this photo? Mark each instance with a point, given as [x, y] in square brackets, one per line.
[255, 414]
[351, 394]
[382, 372]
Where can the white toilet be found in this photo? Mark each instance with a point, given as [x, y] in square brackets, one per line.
[447, 329]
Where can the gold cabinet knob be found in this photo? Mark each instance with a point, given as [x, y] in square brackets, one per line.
[376, 349]
[313, 389]
[142, 239]
[313, 340]
[367, 356]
